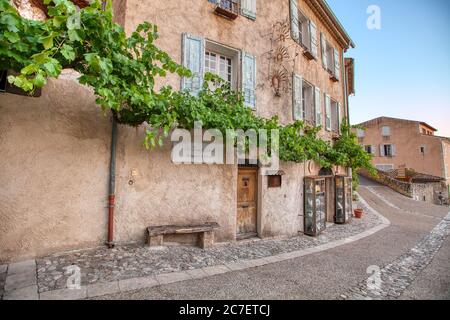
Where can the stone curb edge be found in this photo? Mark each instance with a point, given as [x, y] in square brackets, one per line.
[120, 286]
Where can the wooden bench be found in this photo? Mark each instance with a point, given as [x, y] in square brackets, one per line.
[205, 232]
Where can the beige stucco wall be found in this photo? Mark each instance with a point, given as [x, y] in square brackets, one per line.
[54, 154]
[407, 139]
[165, 193]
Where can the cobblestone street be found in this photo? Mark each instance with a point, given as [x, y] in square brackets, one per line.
[404, 252]
[132, 261]
[340, 264]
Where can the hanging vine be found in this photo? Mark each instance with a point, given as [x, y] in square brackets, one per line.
[123, 71]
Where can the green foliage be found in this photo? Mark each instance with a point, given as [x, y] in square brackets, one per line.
[123, 71]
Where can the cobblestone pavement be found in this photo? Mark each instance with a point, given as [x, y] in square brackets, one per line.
[101, 265]
[330, 273]
[397, 276]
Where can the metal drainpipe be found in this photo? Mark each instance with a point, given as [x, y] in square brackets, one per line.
[349, 170]
[112, 177]
[112, 185]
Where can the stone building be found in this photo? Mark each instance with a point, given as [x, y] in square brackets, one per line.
[287, 56]
[405, 144]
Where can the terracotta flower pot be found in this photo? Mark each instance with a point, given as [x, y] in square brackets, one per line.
[358, 213]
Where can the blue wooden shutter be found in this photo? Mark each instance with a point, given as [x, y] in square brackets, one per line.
[339, 115]
[382, 154]
[249, 80]
[295, 29]
[248, 8]
[337, 64]
[327, 112]
[193, 49]
[323, 47]
[297, 95]
[313, 38]
[318, 107]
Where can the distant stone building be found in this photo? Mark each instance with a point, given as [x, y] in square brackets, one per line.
[405, 144]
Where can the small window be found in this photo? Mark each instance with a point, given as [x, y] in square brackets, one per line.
[368, 149]
[388, 150]
[274, 181]
[385, 131]
[360, 133]
[422, 150]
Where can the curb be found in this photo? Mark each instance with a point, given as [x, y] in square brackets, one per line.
[121, 286]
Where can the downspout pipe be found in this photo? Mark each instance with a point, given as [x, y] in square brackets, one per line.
[112, 184]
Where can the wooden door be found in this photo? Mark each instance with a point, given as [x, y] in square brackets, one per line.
[247, 200]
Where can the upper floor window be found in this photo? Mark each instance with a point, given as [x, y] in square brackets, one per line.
[331, 60]
[369, 149]
[200, 56]
[385, 131]
[232, 8]
[360, 133]
[220, 65]
[303, 31]
[306, 102]
[387, 150]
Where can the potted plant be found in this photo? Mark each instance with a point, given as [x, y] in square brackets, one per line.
[358, 213]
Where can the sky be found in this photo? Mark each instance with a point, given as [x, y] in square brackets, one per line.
[403, 69]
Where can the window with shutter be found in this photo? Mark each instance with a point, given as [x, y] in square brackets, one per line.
[297, 94]
[249, 80]
[193, 49]
[337, 65]
[295, 29]
[318, 107]
[323, 47]
[248, 8]
[327, 112]
[313, 39]
[374, 147]
[339, 117]
[382, 154]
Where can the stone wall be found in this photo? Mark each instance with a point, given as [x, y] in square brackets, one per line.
[383, 178]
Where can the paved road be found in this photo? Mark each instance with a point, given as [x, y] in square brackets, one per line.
[329, 274]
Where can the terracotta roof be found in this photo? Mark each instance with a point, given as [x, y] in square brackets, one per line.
[417, 177]
[396, 119]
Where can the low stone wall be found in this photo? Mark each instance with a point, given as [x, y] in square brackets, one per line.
[404, 188]
[428, 192]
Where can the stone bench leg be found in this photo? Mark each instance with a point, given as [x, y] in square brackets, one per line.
[155, 241]
[207, 239]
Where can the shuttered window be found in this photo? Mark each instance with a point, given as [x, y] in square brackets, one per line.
[323, 47]
[313, 39]
[295, 29]
[249, 79]
[339, 117]
[248, 8]
[327, 112]
[337, 64]
[318, 107]
[193, 49]
[297, 96]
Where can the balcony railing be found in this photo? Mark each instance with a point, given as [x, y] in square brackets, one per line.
[228, 8]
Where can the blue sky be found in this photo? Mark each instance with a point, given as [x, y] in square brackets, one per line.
[402, 70]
